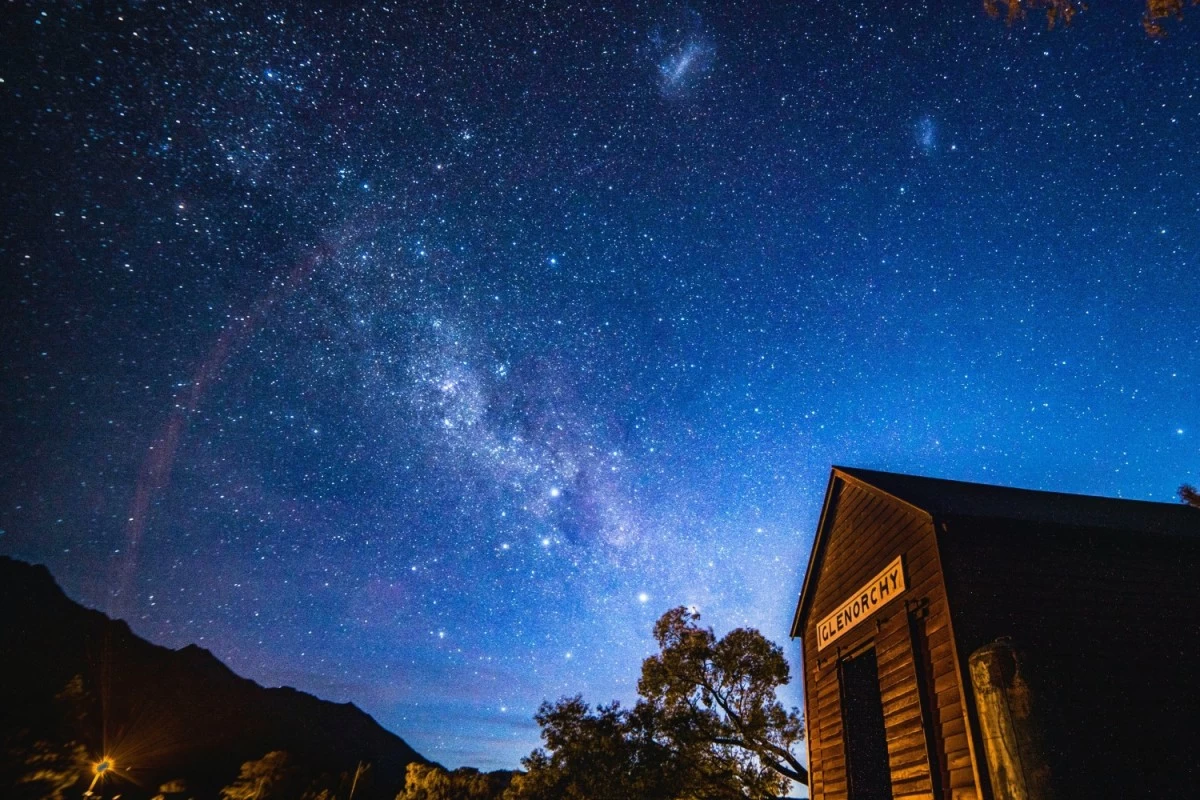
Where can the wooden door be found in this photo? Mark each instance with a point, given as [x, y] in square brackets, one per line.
[867, 769]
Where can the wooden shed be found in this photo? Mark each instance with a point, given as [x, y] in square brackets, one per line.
[961, 640]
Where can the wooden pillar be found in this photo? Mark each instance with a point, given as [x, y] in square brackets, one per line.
[1012, 741]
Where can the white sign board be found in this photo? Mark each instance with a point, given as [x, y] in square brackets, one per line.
[862, 604]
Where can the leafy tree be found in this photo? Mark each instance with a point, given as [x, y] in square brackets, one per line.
[468, 783]
[431, 782]
[277, 776]
[52, 771]
[708, 726]
[328, 785]
[51, 763]
[272, 776]
[606, 754]
[719, 697]
[171, 790]
[425, 782]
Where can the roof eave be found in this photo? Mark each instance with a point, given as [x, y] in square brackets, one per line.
[846, 475]
[818, 542]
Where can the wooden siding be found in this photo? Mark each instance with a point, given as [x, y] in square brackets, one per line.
[864, 530]
[1108, 623]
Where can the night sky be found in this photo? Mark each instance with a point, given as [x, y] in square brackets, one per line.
[422, 355]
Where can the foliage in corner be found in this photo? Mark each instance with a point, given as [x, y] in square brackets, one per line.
[1056, 10]
[1157, 12]
[1190, 495]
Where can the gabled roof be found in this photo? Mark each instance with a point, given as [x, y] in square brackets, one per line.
[945, 498]
[941, 499]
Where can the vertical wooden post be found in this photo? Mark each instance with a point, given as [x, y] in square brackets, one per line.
[917, 612]
[1012, 741]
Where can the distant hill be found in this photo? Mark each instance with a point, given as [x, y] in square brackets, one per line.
[71, 674]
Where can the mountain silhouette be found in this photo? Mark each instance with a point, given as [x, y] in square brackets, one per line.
[71, 675]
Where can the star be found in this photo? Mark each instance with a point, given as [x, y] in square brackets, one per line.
[529, 326]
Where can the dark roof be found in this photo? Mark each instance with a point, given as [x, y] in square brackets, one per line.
[945, 498]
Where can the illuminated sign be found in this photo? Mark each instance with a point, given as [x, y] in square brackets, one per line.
[862, 604]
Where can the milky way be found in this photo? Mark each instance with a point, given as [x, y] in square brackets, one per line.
[422, 357]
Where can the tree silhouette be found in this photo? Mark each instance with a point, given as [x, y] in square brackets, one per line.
[432, 782]
[52, 770]
[1190, 495]
[708, 725]
[51, 763]
[171, 790]
[272, 776]
[425, 782]
[720, 696]
[607, 754]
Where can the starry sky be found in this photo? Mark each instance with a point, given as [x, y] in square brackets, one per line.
[421, 355]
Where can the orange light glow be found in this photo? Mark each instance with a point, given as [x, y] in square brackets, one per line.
[101, 768]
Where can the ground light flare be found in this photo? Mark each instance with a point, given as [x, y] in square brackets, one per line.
[100, 770]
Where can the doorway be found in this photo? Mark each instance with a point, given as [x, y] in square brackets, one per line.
[867, 769]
